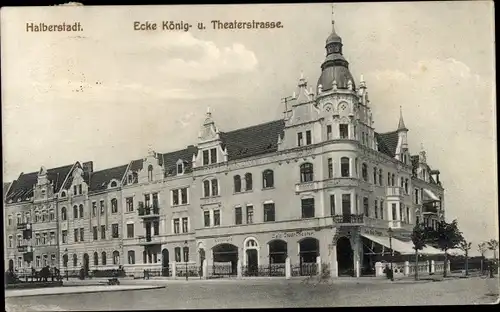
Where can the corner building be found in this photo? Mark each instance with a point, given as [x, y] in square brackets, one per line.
[318, 187]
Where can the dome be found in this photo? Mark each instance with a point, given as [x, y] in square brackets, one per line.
[340, 74]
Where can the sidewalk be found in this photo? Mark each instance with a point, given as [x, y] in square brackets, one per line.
[74, 290]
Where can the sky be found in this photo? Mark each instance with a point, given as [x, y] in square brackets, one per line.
[108, 93]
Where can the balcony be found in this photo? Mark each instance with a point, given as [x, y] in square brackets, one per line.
[149, 212]
[24, 247]
[329, 183]
[24, 226]
[394, 191]
[429, 208]
[351, 219]
[149, 240]
[307, 186]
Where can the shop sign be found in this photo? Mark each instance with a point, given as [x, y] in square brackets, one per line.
[223, 239]
[371, 231]
[281, 235]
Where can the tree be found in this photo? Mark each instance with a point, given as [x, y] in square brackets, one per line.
[418, 238]
[447, 236]
[466, 246]
[493, 245]
[482, 248]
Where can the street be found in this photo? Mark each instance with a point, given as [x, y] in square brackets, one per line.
[269, 294]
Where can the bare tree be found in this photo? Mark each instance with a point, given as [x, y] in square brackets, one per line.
[482, 248]
[493, 245]
[466, 246]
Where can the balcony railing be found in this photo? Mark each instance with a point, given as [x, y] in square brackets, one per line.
[348, 219]
[149, 240]
[394, 191]
[429, 208]
[149, 212]
[24, 225]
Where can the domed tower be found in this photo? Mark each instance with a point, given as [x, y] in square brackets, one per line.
[335, 68]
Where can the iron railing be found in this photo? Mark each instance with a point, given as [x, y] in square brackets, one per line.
[348, 218]
[149, 211]
[193, 270]
[277, 269]
[222, 270]
[306, 269]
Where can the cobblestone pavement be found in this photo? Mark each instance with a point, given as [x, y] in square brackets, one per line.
[265, 293]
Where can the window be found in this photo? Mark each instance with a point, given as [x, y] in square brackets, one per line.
[101, 203]
[10, 220]
[344, 167]
[96, 259]
[116, 257]
[131, 257]
[64, 235]
[365, 206]
[82, 234]
[237, 183]
[177, 254]
[249, 214]
[248, 182]
[376, 209]
[186, 254]
[401, 214]
[330, 168]
[64, 215]
[147, 200]
[375, 175]
[185, 225]
[10, 241]
[38, 240]
[308, 137]
[328, 132]
[156, 228]
[155, 201]
[113, 184]
[308, 208]
[63, 194]
[332, 205]
[394, 213]
[180, 168]
[416, 196]
[130, 230]
[346, 204]
[238, 216]
[39, 261]
[306, 172]
[80, 189]
[206, 188]
[268, 178]
[65, 261]
[417, 220]
[94, 209]
[75, 260]
[213, 155]
[344, 131]
[300, 139]
[103, 258]
[52, 215]
[179, 196]
[216, 217]
[402, 182]
[215, 187]
[75, 212]
[176, 226]
[150, 173]
[103, 232]
[94, 233]
[388, 179]
[380, 177]
[393, 180]
[130, 204]
[75, 190]
[406, 186]
[364, 171]
[206, 159]
[44, 239]
[382, 209]
[75, 235]
[269, 213]
[206, 218]
[114, 228]
[114, 205]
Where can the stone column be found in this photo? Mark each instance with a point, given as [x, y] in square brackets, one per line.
[433, 267]
[174, 269]
[205, 269]
[318, 265]
[239, 268]
[406, 270]
[288, 268]
[428, 264]
[334, 270]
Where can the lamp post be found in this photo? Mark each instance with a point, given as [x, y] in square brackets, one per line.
[390, 232]
[185, 258]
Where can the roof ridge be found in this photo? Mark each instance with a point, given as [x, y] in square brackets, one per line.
[115, 167]
[389, 132]
[257, 125]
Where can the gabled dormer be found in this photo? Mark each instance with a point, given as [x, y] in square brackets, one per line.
[151, 170]
[210, 150]
[43, 189]
[78, 184]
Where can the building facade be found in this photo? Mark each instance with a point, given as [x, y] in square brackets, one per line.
[318, 185]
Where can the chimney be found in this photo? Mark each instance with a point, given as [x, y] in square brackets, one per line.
[88, 167]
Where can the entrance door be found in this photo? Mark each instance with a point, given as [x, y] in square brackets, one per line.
[86, 264]
[11, 265]
[252, 262]
[345, 257]
[165, 264]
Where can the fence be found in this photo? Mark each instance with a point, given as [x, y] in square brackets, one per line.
[192, 270]
[304, 269]
[222, 270]
[277, 269]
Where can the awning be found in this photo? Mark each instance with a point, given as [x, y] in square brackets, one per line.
[430, 194]
[404, 248]
[429, 250]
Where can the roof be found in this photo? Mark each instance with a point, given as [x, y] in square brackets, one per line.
[169, 160]
[99, 180]
[254, 140]
[22, 188]
[6, 188]
[387, 142]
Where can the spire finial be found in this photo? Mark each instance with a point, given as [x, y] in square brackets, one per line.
[401, 124]
[208, 109]
[333, 19]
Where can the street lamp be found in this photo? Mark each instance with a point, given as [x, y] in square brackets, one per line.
[390, 232]
[185, 257]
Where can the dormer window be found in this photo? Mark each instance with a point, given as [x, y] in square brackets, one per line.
[63, 194]
[180, 167]
[210, 156]
[80, 189]
[150, 173]
[130, 179]
[113, 184]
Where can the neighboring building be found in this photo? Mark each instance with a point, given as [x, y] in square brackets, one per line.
[318, 185]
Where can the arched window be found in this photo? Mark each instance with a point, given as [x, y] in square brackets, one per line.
[81, 211]
[185, 251]
[248, 181]
[375, 175]
[113, 184]
[344, 167]
[237, 184]
[103, 258]
[131, 257]
[268, 178]
[380, 177]
[63, 194]
[65, 261]
[406, 186]
[116, 257]
[28, 217]
[356, 165]
[75, 212]
[388, 179]
[114, 205]
[96, 258]
[177, 251]
[306, 172]
[364, 171]
[215, 187]
[206, 188]
[251, 243]
[393, 180]
[64, 215]
[150, 173]
[75, 260]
